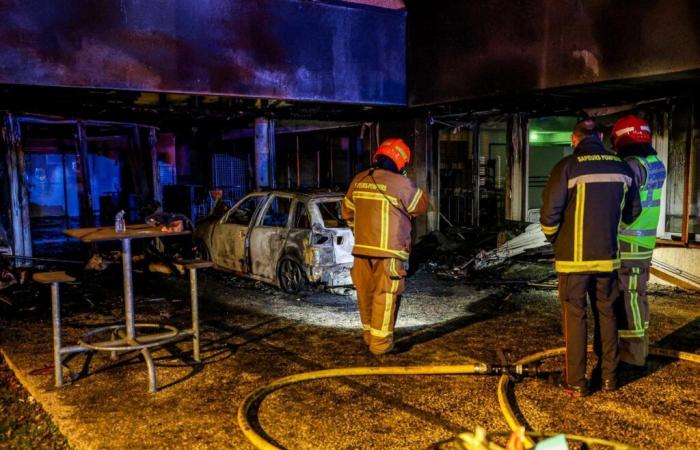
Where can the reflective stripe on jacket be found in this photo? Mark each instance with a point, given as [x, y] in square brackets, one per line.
[642, 232]
[587, 197]
[379, 206]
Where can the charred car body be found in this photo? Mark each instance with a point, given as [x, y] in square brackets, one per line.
[283, 238]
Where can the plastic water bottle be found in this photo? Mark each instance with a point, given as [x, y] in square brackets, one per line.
[119, 224]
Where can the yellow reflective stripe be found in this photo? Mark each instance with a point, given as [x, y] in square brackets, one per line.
[392, 268]
[365, 327]
[607, 265]
[600, 178]
[349, 203]
[384, 240]
[578, 221]
[634, 296]
[416, 199]
[380, 333]
[631, 333]
[375, 196]
[549, 230]
[400, 150]
[636, 255]
[401, 254]
[389, 297]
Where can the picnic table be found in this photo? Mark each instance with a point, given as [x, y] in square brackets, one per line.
[124, 337]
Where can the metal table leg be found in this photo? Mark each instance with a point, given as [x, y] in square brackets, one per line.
[152, 383]
[128, 289]
[56, 318]
[129, 313]
[195, 314]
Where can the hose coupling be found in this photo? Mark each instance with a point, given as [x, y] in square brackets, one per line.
[515, 369]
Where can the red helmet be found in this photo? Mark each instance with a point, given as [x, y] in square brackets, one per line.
[396, 150]
[630, 130]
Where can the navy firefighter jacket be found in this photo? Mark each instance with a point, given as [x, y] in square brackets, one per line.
[589, 196]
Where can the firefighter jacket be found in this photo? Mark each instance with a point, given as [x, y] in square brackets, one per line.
[379, 206]
[642, 232]
[588, 196]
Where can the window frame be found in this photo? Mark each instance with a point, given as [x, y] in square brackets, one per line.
[266, 206]
[253, 219]
[664, 237]
[295, 206]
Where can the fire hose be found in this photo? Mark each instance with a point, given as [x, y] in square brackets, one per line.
[527, 366]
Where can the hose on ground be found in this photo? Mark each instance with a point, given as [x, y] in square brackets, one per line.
[524, 365]
[514, 423]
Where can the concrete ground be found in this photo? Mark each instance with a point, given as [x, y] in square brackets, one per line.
[253, 334]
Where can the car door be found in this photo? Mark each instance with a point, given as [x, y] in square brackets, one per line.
[229, 240]
[268, 236]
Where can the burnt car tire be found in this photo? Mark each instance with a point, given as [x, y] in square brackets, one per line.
[201, 251]
[290, 276]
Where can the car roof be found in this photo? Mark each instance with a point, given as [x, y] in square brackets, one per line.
[311, 195]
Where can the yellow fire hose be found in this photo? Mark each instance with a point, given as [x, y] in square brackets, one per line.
[256, 397]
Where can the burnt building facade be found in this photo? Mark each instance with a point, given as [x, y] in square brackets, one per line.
[237, 96]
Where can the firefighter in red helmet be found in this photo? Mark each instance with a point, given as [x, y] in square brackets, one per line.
[379, 205]
[631, 139]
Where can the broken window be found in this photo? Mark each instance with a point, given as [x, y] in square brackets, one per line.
[330, 213]
[277, 213]
[52, 176]
[301, 217]
[243, 213]
[683, 172]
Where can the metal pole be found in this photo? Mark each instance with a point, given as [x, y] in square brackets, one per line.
[128, 290]
[298, 164]
[262, 153]
[56, 319]
[195, 314]
[272, 153]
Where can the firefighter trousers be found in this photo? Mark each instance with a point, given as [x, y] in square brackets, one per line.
[601, 289]
[379, 283]
[632, 309]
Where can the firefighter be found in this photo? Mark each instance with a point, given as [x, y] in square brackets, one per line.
[588, 195]
[379, 206]
[631, 139]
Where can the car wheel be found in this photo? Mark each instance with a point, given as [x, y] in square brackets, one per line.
[201, 251]
[291, 276]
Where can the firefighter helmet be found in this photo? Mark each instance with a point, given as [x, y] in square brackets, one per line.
[630, 130]
[396, 150]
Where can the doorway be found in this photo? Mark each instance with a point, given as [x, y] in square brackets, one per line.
[549, 140]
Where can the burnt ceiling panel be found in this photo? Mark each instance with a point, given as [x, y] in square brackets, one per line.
[281, 49]
[465, 50]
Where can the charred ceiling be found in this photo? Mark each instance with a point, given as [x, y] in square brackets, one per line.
[276, 49]
[467, 50]
[575, 99]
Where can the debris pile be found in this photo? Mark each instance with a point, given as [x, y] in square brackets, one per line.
[532, 242]
[490, 257]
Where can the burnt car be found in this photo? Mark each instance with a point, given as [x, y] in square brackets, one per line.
[287, 239]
